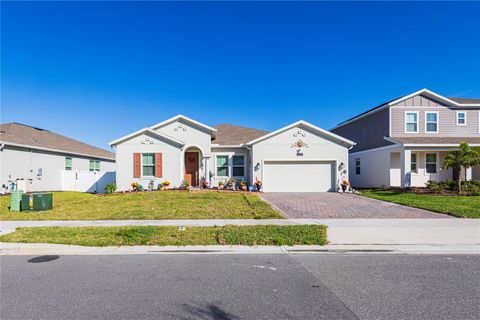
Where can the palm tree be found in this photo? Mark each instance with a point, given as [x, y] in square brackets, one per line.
[465, 157]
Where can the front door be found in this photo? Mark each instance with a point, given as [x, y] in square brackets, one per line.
[191, 168]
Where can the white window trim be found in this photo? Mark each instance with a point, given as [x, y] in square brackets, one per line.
[94, 169]
[228, 165]
[71, 168]
[359, 166]
[244, 165]
[141, 164]
[438, 121]
[437, 167]
[405, 126]
[456, 118]
[417, 156]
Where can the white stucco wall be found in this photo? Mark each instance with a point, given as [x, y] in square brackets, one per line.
[279, 147]
[18, 163]
[190, 134]
[171, 155]
[374, 168]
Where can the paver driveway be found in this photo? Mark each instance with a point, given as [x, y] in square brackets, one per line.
[341, 206]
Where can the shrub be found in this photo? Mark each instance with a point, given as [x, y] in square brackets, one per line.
[140, 187]
[472, 187]
[434, 186]
[110, 187]
[159, 186]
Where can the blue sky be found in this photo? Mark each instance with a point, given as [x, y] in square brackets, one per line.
[96, 71]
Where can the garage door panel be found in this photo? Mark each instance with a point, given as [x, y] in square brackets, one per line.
[298, 176]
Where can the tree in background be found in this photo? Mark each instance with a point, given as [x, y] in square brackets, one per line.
[465, 157]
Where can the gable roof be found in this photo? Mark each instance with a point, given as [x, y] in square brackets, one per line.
[17, 134]
[228, 134]
[185, 118]
[146, 130]
[454, 102]
[308, 125]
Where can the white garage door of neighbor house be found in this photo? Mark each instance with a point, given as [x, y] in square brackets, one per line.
[298, 176]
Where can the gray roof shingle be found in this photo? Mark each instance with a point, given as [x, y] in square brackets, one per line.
[466, 100]
[30, 136]
[436, 140]
[228, 134]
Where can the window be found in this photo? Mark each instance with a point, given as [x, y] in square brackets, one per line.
[94, 165]
[431, 122]
[411, 122]
[461, 118]
[148, 164]
[238, 166]
[357, 166]
[413, 162]
[431, 162]
[222, 166]
[68, 164]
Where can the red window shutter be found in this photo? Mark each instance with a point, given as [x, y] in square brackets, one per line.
[136, 165]
[158, 165]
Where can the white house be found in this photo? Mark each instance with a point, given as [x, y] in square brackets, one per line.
[40, 160]
[300, 157]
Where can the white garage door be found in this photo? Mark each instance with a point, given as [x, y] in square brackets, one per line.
[298, 176]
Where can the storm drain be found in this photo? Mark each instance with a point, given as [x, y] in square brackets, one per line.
[41, 259]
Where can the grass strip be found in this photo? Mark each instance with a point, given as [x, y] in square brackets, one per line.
[458, 206]
[167, 235]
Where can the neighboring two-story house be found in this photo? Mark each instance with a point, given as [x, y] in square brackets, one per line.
[403, 142]
[299, 157]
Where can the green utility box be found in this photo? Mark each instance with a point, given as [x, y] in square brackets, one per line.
[15, 200]
[37, 201]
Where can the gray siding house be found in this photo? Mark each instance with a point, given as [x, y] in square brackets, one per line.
[403, 142]
[35, 159]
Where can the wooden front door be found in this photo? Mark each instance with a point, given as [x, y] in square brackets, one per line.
[191, 168]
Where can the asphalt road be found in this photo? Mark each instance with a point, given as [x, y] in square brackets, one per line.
[255, 286]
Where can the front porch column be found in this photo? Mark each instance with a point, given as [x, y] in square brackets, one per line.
[405, 167]
[469, 174]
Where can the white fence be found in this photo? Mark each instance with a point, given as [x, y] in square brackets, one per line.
[86, 181]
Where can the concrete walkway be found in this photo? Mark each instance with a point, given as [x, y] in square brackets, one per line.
[340, 231]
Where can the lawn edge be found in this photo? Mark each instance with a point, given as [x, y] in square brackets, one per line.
[418, 207]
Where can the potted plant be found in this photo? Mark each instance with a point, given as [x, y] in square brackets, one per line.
[258, 184]
[185, 184]
[166, 184]
[221, 185]
[204, 184]
[134, 186]
[243, 185]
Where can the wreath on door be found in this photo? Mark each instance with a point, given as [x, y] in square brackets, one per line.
[191, 159]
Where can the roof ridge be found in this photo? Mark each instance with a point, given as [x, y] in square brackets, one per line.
[234, 125]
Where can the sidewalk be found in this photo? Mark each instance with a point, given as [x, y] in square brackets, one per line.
[340, 231]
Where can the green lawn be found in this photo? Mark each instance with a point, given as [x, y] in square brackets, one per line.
[148, 205]
[458, 206]
[150, 235]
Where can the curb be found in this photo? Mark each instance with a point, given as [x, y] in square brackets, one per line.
[29, 249]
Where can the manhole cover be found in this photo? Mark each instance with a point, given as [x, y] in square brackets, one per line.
[41, 259]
